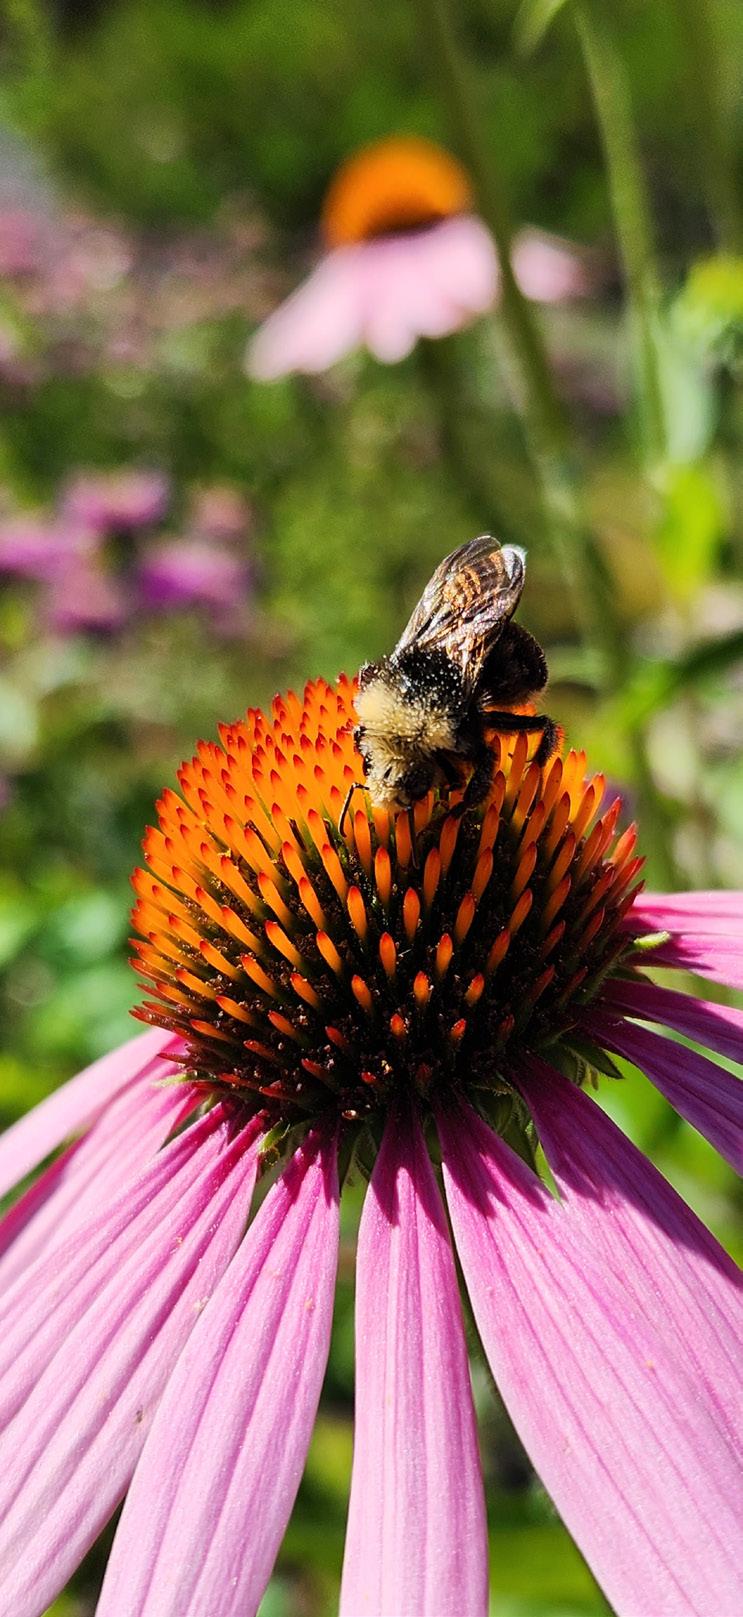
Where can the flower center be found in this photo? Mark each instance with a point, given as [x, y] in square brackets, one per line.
[309, 969]
[397, 184]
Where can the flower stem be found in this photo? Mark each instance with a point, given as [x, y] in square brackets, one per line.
[716, 149]
[612, 102]
[545, 422]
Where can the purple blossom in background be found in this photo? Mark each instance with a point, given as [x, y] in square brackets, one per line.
[221, 512]
[91, 585]
[192, 572]
[42, 548]
[109, 501]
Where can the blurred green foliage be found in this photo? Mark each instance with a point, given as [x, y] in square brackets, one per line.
[182, 128]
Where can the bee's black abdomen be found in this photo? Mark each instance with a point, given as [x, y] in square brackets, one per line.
[514, 670]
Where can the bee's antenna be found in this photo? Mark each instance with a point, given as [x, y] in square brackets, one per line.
[356, 786]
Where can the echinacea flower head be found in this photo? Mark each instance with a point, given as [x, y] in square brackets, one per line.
[423, 1001]
[406, 257]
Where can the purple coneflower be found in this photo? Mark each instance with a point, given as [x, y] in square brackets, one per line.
[406, 258]
[321, 999]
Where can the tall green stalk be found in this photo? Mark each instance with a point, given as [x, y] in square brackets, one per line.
[612, 101]
[546, 426]
[715, 145]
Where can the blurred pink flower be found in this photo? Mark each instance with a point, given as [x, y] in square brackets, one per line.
[21, 237]
[42, 548]
[85, 598]
[194, 572]
[150, 1347]
[113, 500]
[221, 512]
[407, 259]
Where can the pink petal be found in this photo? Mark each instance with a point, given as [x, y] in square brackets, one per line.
[385, 293]
[90, 1172]
[607, 1410]
[73, 1105]
[89, 1339]
[695, 912]
[717, 1026]
[214, 1489]
[316, 326]
[706, 933]
[425, 284]
[641, 1230]
[706, 1095]
[417, 1536]
[547, 269]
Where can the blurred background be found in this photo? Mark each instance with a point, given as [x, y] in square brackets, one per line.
[178, 540]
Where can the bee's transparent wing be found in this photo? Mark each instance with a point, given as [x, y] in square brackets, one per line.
[463, 608]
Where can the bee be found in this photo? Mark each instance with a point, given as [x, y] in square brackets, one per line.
[425, 710]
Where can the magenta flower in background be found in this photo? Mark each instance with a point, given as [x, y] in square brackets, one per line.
[184, 572]
[181, 573]
[221, 512]
[110, 501]
[42, 547]
[351, 997]
[407, 258]
[84, 597]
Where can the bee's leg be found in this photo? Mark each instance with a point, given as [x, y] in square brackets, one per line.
[511, 723]
[356, 786]
[480, 780]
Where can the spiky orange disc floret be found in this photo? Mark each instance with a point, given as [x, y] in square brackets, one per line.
[306, 969]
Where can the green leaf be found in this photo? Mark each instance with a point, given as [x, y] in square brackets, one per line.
[531, 23]
[691, 529]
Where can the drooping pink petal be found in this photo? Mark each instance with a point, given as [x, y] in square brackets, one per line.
[314, 327]
[637, 1225]
[384, 293]
[720, 1027]
[93, 1170]
[708, 1096]
[216, 1483]
[417, 1536]
[548, 269]
[611, 1418]
[426, 284]
[678, 912]
[75, 1104]
[706, 933]
[88, 1339]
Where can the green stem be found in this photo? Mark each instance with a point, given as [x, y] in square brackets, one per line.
[612, 102]
[714, 143]
[545, 423]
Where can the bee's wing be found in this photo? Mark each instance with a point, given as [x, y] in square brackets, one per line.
[463, 608]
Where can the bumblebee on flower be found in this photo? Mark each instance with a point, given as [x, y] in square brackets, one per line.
[321, 994]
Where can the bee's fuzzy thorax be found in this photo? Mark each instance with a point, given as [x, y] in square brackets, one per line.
[389, 710]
